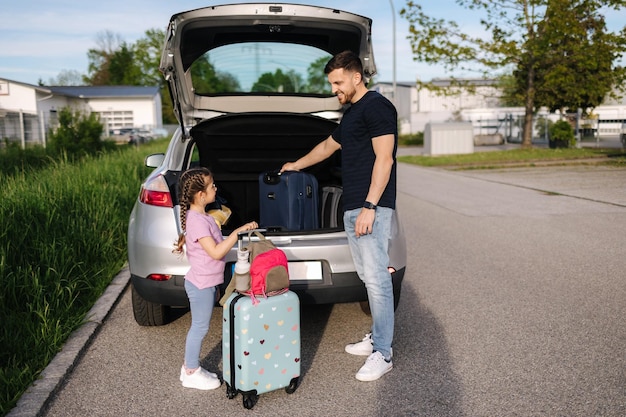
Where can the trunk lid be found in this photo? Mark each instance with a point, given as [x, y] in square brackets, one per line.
[259, 28]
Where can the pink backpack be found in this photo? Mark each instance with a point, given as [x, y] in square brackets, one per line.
[269, 273]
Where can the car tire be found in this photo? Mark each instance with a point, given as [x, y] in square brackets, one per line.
[147, 313]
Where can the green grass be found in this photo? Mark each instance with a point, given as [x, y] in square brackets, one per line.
[519, 157]
[62, 240]
[15, 160]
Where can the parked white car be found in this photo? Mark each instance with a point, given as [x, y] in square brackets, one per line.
[250, 94]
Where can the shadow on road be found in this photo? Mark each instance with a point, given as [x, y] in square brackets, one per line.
[423, 382]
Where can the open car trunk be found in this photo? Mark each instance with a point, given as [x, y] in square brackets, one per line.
[238, 148]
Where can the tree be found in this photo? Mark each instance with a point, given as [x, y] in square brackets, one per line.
[523, 37]
[147, 57]
[115, 62]
[100, 58]
[279, 81]
[123, 69]
[317, 81]
[578, 54]
[67, 77]
[147, 54]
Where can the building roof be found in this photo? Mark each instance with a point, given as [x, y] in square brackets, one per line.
[94, 91]
[36, 87]
[105, 91]
[398, 83]
[444, 82]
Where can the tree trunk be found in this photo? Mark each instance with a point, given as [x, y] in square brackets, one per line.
[529, 107]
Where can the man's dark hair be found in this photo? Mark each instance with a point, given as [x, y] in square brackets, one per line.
[347, 60]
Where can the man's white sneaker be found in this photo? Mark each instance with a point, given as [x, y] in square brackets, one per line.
[201, 379]
[182, 373]
[362, 348]
[375, 367]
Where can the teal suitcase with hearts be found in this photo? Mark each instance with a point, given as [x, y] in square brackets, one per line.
[261, 345]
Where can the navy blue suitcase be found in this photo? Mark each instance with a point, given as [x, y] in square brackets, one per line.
[288, 200]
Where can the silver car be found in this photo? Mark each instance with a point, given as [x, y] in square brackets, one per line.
[248, 88]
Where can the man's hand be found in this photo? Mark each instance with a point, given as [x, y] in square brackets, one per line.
[289, 166]
[364, 222]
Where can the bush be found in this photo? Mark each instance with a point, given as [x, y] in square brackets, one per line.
[77, 133]
[562, 131]
[414, 139]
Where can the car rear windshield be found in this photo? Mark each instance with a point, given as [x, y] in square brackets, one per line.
[261, 68]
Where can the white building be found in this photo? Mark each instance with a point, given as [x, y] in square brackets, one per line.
[28, 111]
[417, 107]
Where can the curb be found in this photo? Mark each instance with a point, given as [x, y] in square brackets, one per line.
[36, 397]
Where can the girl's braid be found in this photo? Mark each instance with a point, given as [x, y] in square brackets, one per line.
[190, 183]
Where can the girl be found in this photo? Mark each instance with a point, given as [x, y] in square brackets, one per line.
[206, 248]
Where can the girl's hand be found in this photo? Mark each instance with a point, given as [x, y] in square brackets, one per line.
[249, 226]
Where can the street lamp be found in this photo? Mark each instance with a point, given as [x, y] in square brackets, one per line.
[393, 15]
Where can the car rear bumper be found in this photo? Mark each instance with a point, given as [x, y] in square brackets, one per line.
[344, 288]
[169, 293]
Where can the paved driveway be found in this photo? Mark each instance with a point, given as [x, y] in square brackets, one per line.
[513, 305]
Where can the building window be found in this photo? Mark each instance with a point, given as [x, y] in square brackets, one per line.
[114, 120]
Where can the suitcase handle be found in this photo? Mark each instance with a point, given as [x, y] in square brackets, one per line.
[231, 325]
[272, 177]
[240, 235]
[248, 233]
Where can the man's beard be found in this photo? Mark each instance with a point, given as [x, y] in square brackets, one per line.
[347, 97]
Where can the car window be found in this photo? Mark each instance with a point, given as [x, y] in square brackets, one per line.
[261, 67]
[194, 161]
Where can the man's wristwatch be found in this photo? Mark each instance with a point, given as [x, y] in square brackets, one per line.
[369, 205]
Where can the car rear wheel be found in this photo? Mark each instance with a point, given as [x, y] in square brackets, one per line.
[147, 313]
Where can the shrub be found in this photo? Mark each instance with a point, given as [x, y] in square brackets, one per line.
[413, 139]
[78, 133]
[563, 131]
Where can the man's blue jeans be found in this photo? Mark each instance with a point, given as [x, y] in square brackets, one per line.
[371, 259]
[201, 303]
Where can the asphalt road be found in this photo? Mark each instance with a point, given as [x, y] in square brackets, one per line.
[513, 305]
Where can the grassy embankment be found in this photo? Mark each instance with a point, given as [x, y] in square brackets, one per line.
[521, 158]
[62, 240]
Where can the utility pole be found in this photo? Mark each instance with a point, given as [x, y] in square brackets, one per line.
[393, 15]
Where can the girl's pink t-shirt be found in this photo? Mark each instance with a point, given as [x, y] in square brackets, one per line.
[205, 271]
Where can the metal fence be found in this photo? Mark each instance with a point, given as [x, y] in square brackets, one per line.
[32, 130]
[509, 128]
[24, 128]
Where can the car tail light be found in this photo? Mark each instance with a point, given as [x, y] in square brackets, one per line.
[156, 193]
[159, 277]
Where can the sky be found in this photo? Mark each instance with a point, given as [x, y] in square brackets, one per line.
[41, 38]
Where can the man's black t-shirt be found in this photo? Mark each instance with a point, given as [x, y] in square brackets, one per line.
[373, 115]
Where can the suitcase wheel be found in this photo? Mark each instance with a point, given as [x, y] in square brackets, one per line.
[230, 392]
[249, 400]
[293, 384]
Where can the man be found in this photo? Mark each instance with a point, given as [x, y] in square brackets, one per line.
[368, 137]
